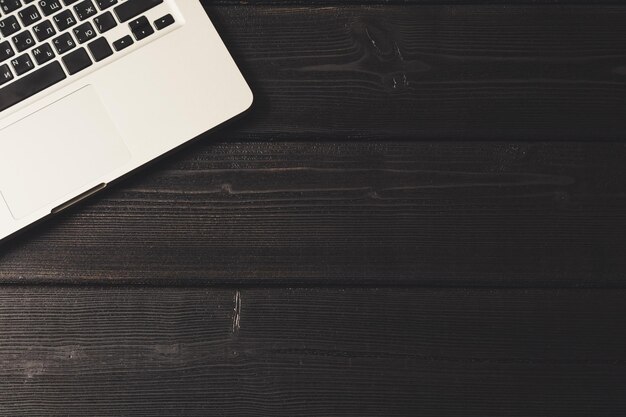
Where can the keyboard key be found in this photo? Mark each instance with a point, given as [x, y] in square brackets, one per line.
[9, 26]
[123, 43]
[69, 2]
[49, 7]
[44, 30]
[132, 8]
[8, 6]
[29, 15]
[141, 28]
[64, 20]
[164, 22]
[100, 49]
[105, 22]
[22, 64]
[77, 61]
[23, 41]
[43, 53]
[85, 9]
[6, 51]
[84, 32]
[105, 4]
[64, 43]
[30, 85]
[5, 74]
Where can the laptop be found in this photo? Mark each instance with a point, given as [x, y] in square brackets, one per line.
[90, 90]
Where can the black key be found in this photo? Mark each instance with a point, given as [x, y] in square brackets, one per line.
[123, 43]
[77, 61]
[23, 41]
[5, 75]
[84, 32]
[30, 85]
[8, 6]
[85, 9]
[43, 53]
[69, 2]
[22, 64]
[141, 28]
[64, 20]
[6, 51]
[105, 22]
[100, 49]
[164, 22]
[64, 43]
[29, 15]
[105, 4]
[132, 8]
[44, 30]
[9, 26]
[49, 6]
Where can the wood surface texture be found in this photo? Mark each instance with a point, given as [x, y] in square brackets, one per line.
[311, 352]
[423, 215]
[432, 72]
[447, 214]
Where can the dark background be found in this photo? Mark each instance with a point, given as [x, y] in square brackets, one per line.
[423, 214]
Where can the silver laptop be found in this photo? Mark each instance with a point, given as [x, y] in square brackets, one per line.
[92, 89]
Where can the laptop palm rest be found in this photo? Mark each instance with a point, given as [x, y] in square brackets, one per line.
[69, 146]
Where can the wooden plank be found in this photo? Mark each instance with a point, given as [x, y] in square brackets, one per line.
[474, 3]
[446, 214]
[310, 352]
[431, 72]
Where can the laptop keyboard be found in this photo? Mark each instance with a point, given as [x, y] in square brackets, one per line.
[43, 42]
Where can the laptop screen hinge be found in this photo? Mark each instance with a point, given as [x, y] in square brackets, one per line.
[78, 198]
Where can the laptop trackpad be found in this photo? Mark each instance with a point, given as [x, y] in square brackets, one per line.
[58, 153]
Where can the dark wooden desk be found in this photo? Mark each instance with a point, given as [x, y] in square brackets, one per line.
[424, 214]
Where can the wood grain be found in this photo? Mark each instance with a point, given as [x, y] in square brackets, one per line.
[433, 72]
[474, 3]
[310, 352]
[282, 266]
[446, 214]
[379, 209]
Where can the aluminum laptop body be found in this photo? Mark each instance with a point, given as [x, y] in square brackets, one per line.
[120, 83]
